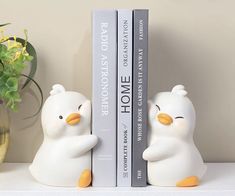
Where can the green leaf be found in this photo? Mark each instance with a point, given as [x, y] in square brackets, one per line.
[12, 84]
[3, 49]
[32, 52]
[13, 60]
[3, 79]
[2, 25]
[1, 67]
[14, 96]
[18, 66]
[29, 58]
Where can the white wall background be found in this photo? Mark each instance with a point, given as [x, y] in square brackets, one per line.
[191, 42]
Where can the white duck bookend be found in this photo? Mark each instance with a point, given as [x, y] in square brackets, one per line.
[64, 158]
[172, 157]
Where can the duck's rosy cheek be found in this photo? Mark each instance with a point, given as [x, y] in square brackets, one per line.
[181, 124]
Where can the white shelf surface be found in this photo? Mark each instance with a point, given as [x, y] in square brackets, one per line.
[15, 180]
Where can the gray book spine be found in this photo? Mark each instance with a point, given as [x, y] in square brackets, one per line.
[104, 97]
[140, 86]
[124, 109]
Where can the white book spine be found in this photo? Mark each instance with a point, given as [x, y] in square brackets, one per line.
[124, 91]
[104, 98]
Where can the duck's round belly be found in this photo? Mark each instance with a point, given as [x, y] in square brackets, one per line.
[169, 171]
[60, 171]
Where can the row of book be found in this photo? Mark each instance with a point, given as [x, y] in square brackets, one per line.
[119, 96]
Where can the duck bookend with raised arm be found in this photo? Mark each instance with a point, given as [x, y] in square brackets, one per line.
[64, 158]
[173, 159]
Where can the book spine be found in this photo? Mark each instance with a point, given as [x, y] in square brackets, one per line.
[104, 97]
[140, 85]
[124, 103]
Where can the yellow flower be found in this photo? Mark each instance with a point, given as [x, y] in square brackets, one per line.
[24, 52]
[17, 55]
[13, 44]
[3, 38]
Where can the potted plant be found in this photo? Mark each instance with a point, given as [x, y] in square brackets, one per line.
[15, 55]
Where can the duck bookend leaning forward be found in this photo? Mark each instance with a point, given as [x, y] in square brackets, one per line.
[173, 159]
[64, 158]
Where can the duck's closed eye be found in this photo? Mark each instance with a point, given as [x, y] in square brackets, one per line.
[179, 117]
[79, 107]
[158, 107]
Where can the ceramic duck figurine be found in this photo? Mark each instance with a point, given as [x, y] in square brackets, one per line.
[64, 158]
[173, 159]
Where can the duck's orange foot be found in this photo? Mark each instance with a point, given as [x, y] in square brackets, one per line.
[85, 178]
[188, 182]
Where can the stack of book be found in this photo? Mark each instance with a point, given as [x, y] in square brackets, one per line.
[119, 97]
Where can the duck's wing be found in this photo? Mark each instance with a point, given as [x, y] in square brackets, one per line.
[79, 145]
[159, 151]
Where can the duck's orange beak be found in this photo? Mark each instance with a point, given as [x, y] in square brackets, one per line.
[73, 119]
[165, 119]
